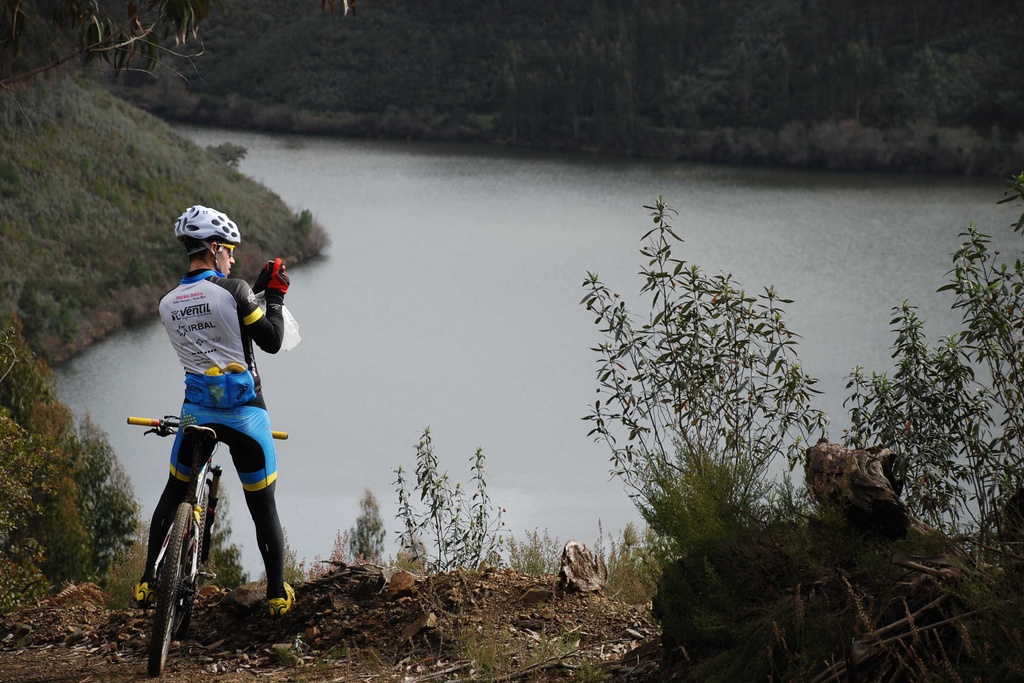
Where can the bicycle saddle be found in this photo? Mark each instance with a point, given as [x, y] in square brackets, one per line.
[199, 429]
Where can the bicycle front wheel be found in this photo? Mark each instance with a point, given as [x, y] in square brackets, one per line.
[168, 587]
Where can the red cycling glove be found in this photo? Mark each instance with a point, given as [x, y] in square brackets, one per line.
[273, 276]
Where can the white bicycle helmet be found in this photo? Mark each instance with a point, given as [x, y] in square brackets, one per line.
[202, 223]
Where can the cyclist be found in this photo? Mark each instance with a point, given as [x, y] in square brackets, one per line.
[212, 321]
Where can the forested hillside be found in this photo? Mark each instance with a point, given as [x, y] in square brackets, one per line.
[845, 84]
[68, 508]
[90, 188]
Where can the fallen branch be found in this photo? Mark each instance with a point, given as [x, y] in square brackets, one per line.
[551, 663]
[912, 563]
[438, 674]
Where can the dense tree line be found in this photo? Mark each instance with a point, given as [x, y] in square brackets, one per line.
[70, 513]
[630, 77]
[68, 506]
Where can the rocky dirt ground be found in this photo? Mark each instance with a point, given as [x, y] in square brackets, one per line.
[358, 623]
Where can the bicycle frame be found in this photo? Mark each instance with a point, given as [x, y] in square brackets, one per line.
[193, 497]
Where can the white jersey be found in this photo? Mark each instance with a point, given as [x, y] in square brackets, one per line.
[212, 321]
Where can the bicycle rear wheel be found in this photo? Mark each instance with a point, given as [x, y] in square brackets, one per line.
[168, 586]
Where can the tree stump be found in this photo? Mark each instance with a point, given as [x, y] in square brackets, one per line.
[862, 482]
[581, 570]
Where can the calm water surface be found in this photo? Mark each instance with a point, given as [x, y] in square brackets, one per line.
[450, 299]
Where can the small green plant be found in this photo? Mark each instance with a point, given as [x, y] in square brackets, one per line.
[413, 560]
[633, 567]
[548, 648]
[286, 655]
[295, 571]
[487, 650]
[591, 672]
[537, 555]
[225, 556]
[463, 532]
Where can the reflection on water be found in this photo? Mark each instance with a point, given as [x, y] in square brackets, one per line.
[450, 299]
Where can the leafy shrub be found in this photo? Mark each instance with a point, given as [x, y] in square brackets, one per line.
[955, 413]
[707, 384]
[633, 566]
[700, 401]
[80, 511]
[463, 533]
[536, 555]
[26, 472]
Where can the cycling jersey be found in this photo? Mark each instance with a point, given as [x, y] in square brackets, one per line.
[212, 321]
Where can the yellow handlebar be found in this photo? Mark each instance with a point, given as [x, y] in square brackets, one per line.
[152, 422]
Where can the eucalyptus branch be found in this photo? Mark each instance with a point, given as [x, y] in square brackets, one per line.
[463, 533]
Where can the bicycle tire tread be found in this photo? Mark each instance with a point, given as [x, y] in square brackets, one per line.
[168, 584]
[186, 609]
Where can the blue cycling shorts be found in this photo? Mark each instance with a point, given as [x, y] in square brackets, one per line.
[246, 431]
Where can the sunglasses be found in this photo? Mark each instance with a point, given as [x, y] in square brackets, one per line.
[229, 247]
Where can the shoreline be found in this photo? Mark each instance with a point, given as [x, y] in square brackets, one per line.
[835, 146]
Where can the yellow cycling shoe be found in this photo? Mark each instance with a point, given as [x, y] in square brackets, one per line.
[279, 606]
[143, 595]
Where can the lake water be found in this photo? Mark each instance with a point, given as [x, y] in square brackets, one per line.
[450, 299]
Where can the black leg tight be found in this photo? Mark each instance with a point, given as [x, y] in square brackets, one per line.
[269, 536]
[163, 518]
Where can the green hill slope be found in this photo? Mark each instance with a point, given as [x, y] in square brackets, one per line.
[90, 188]
[915, 85]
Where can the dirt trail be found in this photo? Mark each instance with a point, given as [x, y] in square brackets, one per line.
[351, 625]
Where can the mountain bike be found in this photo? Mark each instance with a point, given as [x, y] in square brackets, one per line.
[186, 547]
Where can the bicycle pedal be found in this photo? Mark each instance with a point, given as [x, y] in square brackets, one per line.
[209, 576]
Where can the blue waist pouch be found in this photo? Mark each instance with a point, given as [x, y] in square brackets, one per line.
[220, 390]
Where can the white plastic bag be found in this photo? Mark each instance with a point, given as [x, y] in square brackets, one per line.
[291, 330]
[291, 325]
